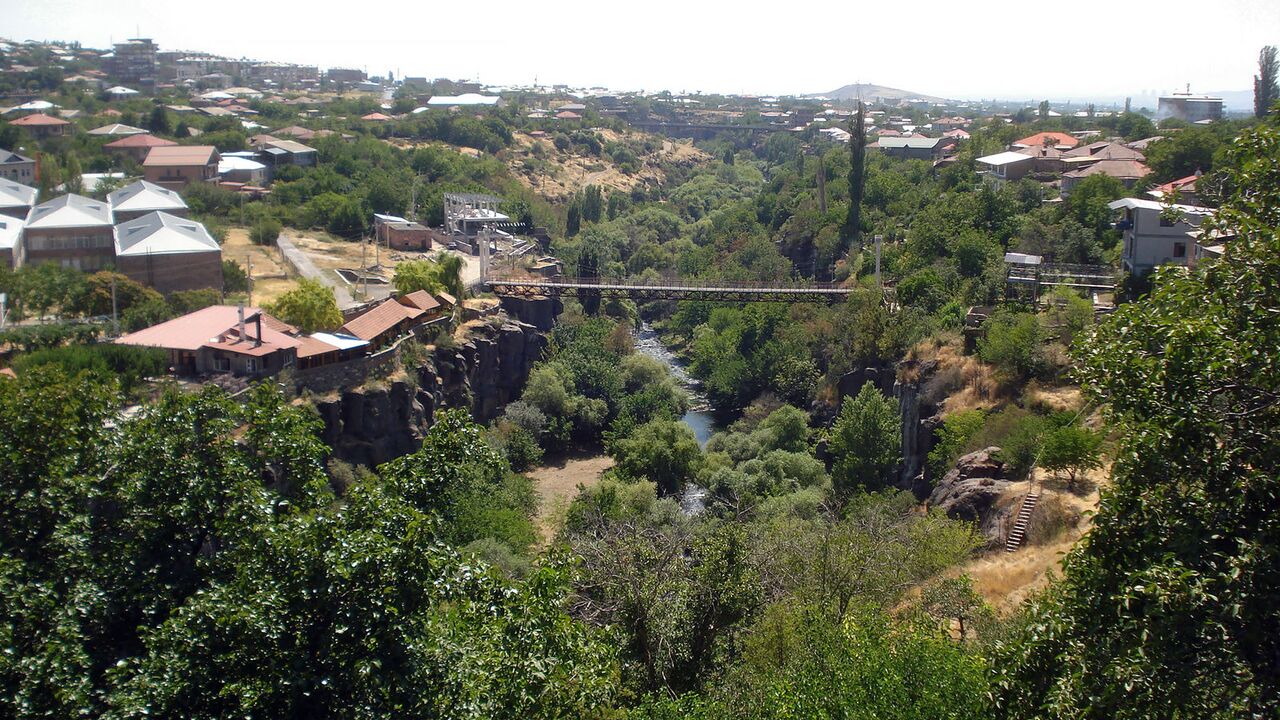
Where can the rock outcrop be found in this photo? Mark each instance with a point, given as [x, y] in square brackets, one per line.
[920, 422]
[972, 491]
[371, 425]
[540, 312]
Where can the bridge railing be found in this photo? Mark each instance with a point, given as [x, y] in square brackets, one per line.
[663, 283]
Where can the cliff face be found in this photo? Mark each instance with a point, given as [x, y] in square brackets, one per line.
[920, 421]
[374, 425]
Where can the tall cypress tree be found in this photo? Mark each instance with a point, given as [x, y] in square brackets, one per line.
[857, 174]
[1265, 88]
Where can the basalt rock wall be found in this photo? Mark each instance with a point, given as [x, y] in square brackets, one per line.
[371, 425]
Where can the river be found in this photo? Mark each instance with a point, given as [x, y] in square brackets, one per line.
[698, 418]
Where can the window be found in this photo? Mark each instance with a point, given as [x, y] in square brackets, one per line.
[250, 365]
[1165, 221]
[222, 364]
[1179, 250]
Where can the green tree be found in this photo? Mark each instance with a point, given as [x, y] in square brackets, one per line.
[414, 275]
[265, 231]
[1172, 590]
[310, 306]
[234, 277]
[1072, 450]
[857, 174]
[73, 175]
[866, 442]
[159, 121]
[1266, 90]
[1185, 152]
[665, 452]
[1013, 343]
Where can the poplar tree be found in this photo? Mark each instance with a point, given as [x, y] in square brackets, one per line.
[857, 174]
[1265, 88]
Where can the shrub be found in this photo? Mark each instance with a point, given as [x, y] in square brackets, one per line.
[1012, 344]
[265, 231]
[954, 436]
[127, 363]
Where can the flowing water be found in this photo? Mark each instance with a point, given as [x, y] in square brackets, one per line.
[698, 418]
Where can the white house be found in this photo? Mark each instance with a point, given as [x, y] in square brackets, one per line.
[1156, 234]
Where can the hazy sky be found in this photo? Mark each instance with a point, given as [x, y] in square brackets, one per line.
[1004, 49]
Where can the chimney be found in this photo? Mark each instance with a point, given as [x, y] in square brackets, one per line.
[258, 319]
[240, 323]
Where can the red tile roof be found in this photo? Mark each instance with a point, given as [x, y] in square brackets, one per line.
[1058, 140]
[140, 141]
[38, 120]
[214, 326]
[180, 155]
[420, 299]
[309, 347]
[379, 320]
[376, 116]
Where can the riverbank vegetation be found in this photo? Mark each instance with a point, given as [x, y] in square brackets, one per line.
[201, 559]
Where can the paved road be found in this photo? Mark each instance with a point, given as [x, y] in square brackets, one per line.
[307, 269]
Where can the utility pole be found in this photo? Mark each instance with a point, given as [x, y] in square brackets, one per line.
[3, 301]
[115, 307]
[879, 238]
[248, 261]
[822, 186]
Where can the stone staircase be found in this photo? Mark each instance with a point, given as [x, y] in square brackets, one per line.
[1019, 531]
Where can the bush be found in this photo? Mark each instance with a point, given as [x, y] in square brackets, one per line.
[953, 438]
[234, 277]
[127, 363]
[1012, 344]
[265, 231]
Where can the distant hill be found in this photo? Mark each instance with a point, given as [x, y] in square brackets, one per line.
[870, 92]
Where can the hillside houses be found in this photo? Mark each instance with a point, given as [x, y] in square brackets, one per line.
[140, 230]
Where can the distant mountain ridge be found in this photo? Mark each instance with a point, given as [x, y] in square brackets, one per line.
[867, 91]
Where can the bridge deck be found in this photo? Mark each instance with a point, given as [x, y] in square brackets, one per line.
[719, 290]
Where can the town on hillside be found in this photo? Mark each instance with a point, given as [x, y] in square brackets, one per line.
[329, 394]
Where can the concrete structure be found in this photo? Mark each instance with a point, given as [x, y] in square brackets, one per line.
[42, 126]
[401, 234]
[237, 168]
[177, 166]
[1006, 166]
[137, 146]
[285, 75]
[275, 153]
[10, 242]
[143, 198]
[16, 199]
[134, 61]
[17, 168]
[1153, 236]
[1192, 108]
[71, 230]
[168, 253]
[222, 339]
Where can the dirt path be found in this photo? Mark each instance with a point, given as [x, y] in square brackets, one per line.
[557, 485]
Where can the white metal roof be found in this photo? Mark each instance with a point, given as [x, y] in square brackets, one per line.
[231, 163]
[1022, 258]
[10, 232]
[339, 340]
[160, 233]
[1142, 204]
[14, 194]
[143, 195]
[69, 211]
[1004, 158]
[463, 99]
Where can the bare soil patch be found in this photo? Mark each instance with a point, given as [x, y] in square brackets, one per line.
[558, 483]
